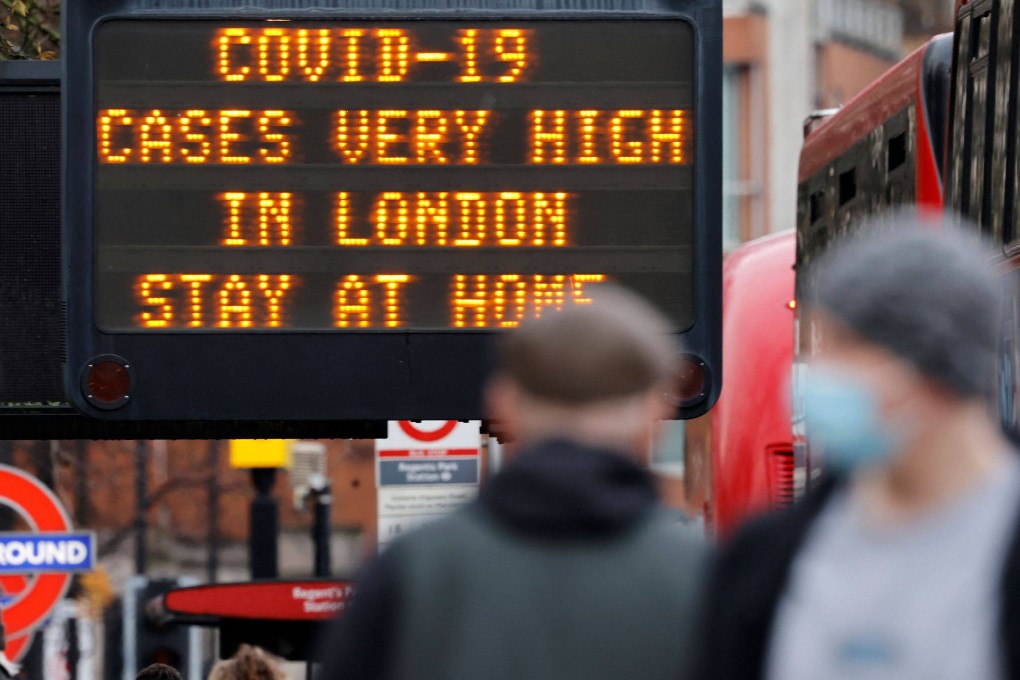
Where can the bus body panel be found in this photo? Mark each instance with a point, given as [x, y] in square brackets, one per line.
[751, 444]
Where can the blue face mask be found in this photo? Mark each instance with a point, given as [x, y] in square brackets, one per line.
[842, 414]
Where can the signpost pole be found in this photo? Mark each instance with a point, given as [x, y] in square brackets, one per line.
[264, 525]
[81, 500]
[35, 662]
[73, 649]
[213, 513]
[321, 528]
[141, 493]
[6, 458]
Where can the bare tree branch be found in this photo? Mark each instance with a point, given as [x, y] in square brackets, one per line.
[157, 496]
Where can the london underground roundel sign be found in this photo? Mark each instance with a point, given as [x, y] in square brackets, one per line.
[424, 433]
[36, 566]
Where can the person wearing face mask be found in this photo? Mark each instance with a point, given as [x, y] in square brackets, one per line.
[904, 562]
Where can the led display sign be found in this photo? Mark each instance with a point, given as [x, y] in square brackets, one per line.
[415, 175]
[425, 175]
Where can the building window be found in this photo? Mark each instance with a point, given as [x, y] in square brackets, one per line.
[734, 187]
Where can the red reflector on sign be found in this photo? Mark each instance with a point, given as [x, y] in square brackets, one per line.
[108, 382]
[691, 382]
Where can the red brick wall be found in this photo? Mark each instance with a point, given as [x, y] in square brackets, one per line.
[178, 483]
[843, 71]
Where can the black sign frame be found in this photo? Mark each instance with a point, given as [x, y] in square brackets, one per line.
[293, 377]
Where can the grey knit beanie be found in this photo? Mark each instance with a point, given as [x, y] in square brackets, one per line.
[928, 294]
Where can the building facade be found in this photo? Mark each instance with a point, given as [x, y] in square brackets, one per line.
[785, 59]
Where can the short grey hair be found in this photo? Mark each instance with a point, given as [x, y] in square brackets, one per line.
[924, 290]
[617, 346]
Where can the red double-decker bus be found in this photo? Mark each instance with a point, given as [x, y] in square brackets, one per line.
[938, 130]
[883, 149]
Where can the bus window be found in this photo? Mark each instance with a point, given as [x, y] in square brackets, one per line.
[1013, 178]
[901, 155]
[847, 186]
[1002, 131]
[817, 201]
[978, 72]
[896, 155]
[957, 189]
[1009, 361]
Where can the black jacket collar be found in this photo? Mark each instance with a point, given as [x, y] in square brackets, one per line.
[751, 573]
[562, 488]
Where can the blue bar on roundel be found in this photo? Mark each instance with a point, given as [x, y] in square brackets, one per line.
[24, 553]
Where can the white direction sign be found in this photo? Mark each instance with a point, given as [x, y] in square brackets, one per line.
[424, 470]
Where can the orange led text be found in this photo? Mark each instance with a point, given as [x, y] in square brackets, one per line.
[505, 300]
[405, 137]
[456, 218]
[629, 136]
[196, 136]
[378, 55]
[257, 218]
[212, 300]
[370, 301]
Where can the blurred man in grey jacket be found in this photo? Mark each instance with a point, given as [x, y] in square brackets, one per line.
[566, 566]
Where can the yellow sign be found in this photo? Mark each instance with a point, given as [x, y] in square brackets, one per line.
[260, 453]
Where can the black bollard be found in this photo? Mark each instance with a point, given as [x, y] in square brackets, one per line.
[265, 525]
[323, 499]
